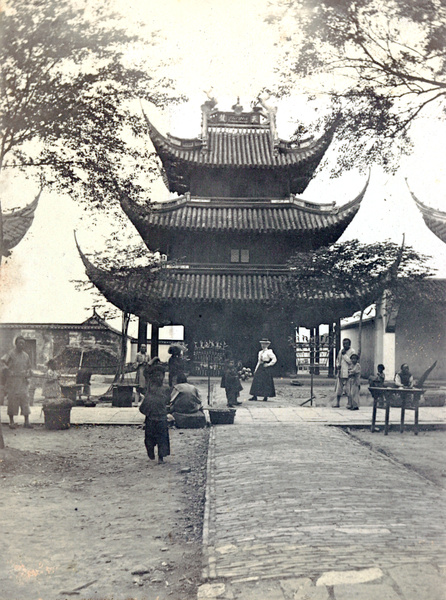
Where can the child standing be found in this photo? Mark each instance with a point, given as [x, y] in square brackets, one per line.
[154, 407]
[51, 385]
[231, 383]
[353, 383]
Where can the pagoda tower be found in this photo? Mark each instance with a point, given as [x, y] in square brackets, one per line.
[228, 234]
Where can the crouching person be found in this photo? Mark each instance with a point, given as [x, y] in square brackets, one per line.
[154, 407]
[185, 406]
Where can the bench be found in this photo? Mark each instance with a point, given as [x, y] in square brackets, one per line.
[404, 398]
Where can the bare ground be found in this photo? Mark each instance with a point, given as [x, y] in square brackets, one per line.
[85, 514]
[424, 453]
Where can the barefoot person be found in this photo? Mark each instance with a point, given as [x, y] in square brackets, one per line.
[263, 383]
[18, 365]
[353, 385]
[343, 362]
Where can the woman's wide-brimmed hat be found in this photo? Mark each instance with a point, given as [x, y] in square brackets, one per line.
[265, 341]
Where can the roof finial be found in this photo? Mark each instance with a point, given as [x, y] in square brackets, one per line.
[237, 107]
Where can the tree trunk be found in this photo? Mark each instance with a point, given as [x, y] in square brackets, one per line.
[123, 353]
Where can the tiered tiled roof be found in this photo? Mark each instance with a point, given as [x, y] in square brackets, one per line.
[434, 219]
[136, 292]
[228, 215]
[16, 223]
[238, 147]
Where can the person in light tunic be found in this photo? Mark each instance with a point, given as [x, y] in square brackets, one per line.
[18, 372]
[343, 362]
[263, 383]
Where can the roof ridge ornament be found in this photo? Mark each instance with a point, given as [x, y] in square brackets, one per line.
[237, 107]
[206, 109]
[271, 112]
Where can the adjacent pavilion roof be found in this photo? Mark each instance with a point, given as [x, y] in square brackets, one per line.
[16, 223]
[434, 219]
[254, 215]
[238, 145]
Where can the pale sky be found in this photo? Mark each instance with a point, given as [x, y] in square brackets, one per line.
[226, 46]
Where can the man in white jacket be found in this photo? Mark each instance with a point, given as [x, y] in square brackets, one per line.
[343, 361]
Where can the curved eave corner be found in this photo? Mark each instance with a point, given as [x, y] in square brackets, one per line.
[94, 274]
[101, 279]
[163, 143]
[17, 222]
[318, 148]
[126, 295]
[435, 219]
[353, 205]
[137, 215]
[344, 214]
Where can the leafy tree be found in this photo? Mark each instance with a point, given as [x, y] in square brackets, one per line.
[67, 105]
[124, 266]
[360, 273]
[382, 63]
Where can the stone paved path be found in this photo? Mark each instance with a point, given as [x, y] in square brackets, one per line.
[304, 511]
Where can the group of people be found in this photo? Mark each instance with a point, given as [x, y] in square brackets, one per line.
[348, 371]
[160, 404]
[262, 383]
[348, 376]
[15, 373]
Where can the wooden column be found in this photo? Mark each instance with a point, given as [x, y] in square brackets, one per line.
[312, 346]
[338, 337]
[331, 350]
[142, 332]
[317, 353]
[155, 341]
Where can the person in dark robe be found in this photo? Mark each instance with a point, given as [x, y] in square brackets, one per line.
[263, 383]
[154, 407]
[176, 364]
[230, 381]
[185, 397]
[83, 379]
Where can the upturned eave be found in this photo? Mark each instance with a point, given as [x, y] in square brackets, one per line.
[16, 224]
[435, 219]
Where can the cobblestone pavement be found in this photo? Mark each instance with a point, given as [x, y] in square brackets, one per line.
[302, 511]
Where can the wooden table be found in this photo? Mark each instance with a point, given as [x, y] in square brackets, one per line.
[404, 398]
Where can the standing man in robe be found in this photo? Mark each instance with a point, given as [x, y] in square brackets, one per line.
[18, 372]
[343, 362]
